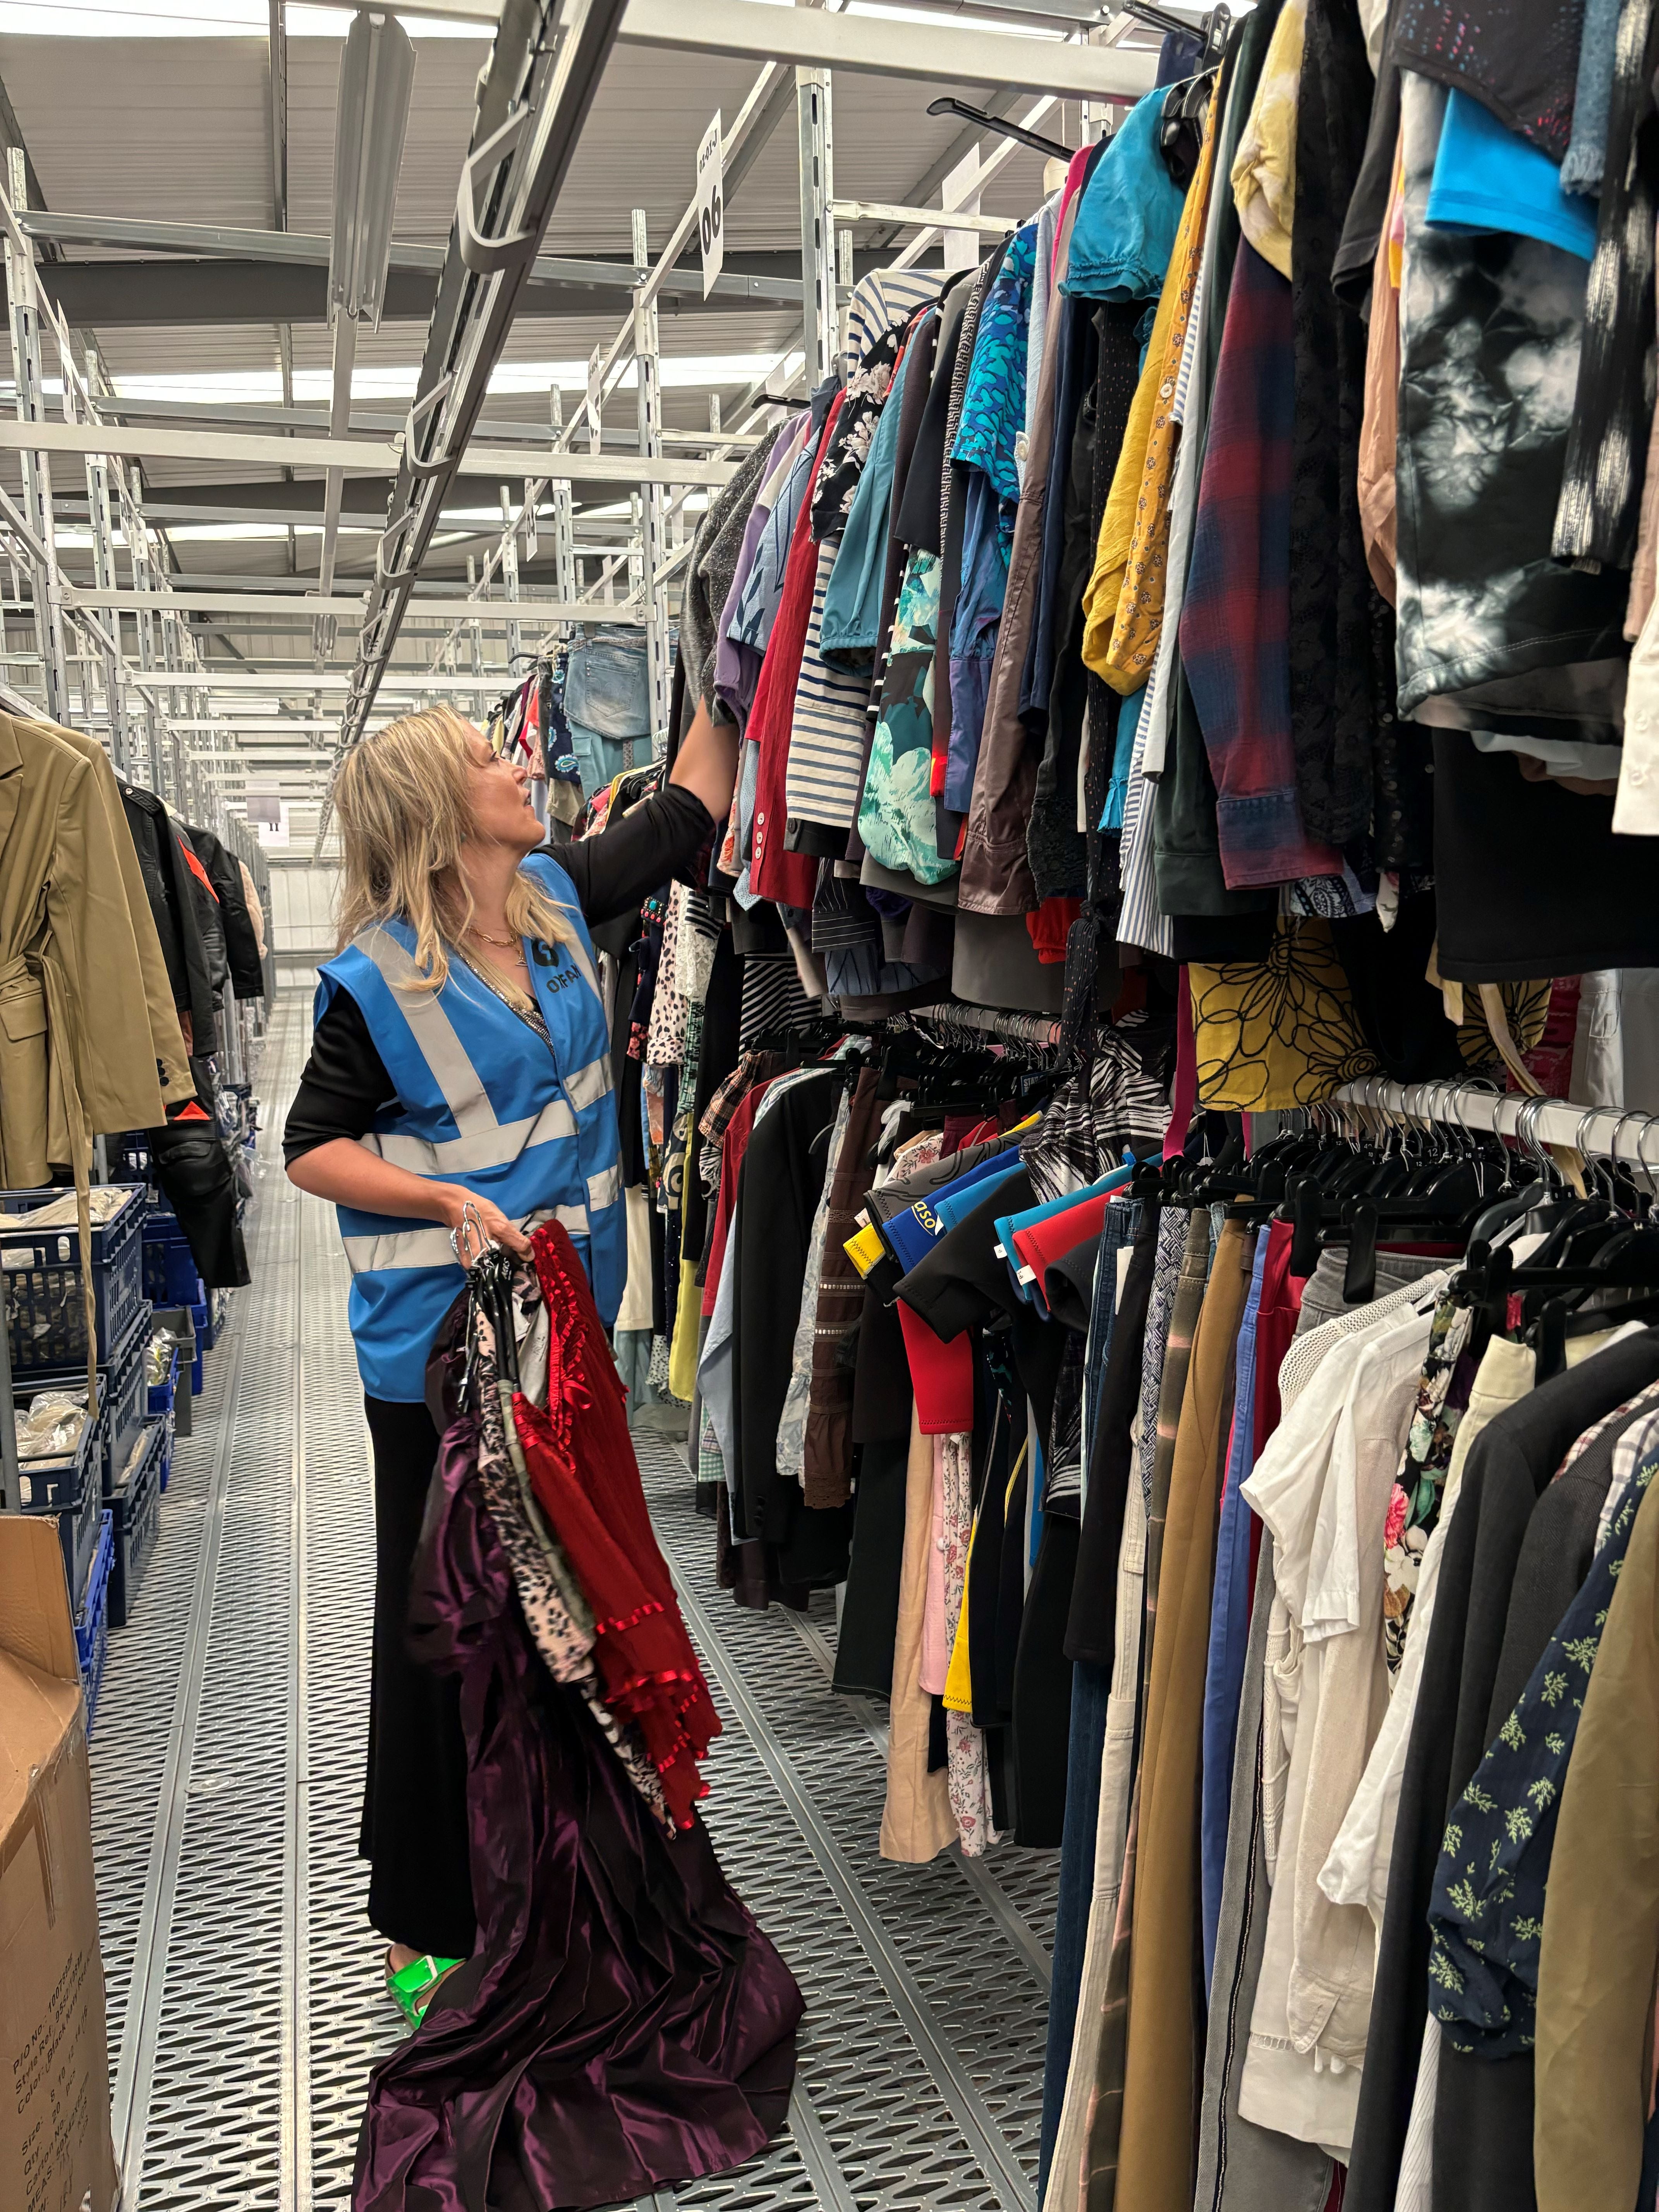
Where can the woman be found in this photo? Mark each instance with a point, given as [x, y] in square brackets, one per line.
[461, 1060]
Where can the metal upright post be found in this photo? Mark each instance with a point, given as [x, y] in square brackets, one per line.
[565, 585]
[648, 372]
[817, 223]
[636, 547]
[143, 575]
[104, 579]
[37, 471]
[510, 573]
[475, 630]
[181, 796]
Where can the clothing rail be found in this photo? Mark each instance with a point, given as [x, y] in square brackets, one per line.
[990, 1021]
[1602, 1130]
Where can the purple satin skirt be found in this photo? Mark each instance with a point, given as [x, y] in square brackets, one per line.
[622, 2024]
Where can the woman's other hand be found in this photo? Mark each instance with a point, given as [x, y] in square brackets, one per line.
[348, 1174]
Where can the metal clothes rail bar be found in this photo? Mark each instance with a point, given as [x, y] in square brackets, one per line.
[1605, 1130]
[990, 1021]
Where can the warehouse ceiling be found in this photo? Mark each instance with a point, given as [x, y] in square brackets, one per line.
[182, 206]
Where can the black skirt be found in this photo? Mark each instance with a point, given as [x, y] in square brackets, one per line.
[414, 1824]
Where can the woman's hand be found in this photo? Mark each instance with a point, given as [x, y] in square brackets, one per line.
[455, 1199]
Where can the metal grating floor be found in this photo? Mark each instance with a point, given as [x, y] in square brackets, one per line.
[245, 2004]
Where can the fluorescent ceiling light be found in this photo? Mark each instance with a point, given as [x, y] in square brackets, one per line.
[377, 76]
[198, 19]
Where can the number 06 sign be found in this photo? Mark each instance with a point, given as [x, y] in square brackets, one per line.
[711, 204]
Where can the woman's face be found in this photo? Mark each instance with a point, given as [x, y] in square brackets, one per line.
[501, 812]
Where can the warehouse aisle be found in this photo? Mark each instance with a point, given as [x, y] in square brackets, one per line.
[245, 2002]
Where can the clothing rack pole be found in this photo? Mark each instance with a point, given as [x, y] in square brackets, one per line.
[564, 525]
[1603, 1130]
[990, 1021]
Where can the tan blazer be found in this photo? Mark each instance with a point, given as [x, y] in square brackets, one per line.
[77, 1049]
[166, 1037]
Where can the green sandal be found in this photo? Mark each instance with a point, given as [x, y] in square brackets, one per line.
[411, 1988]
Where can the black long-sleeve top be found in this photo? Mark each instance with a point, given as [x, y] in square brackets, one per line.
[345, 1086]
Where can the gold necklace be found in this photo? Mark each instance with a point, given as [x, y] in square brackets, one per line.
[506, 944]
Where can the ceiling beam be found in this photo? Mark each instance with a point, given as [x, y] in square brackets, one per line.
[300, 506]
[533, 435]
[747, 279]
[298, 681]
[491, 613]
[486, 13]
[127, 293]
[811, 37]
[357, 454]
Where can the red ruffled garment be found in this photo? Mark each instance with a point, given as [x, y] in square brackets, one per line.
[586, 1481]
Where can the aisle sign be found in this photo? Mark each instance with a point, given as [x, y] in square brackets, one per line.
[711, 204]
[268, 816]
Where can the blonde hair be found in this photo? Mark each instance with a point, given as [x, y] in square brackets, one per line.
[404, 802]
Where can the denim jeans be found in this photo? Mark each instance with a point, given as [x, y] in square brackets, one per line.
[598, 759]
[607, 686]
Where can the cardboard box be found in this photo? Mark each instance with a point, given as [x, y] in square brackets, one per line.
[55, 2148]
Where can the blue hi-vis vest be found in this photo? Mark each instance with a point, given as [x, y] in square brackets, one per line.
[481, 1102]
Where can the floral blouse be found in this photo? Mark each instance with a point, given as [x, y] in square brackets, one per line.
[1487, 1911]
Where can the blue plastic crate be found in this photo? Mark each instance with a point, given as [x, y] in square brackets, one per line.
[210, 1317]
[160, 1401]
[169, 1440]
[135, 1509]
[120, 1393]
[92, 1620]
[69, 1488]
[121, 1398]
[131, 1158]
[43, 1282]
[170, 1276]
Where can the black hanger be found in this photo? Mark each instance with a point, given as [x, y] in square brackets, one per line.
[1211, 29]
[950, 105]
[1445, 1207]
